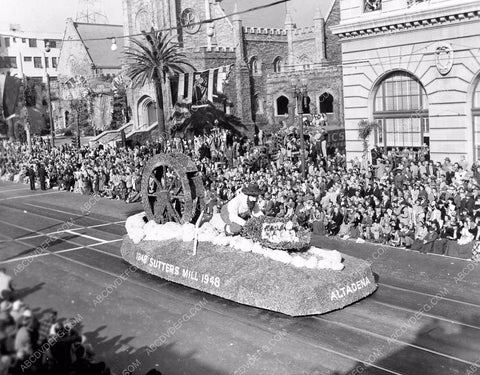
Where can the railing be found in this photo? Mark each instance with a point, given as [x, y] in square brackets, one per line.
[142, 130]
[112, 135]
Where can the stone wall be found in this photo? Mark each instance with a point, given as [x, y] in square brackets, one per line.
[321, 80]
[304, 51]
[332, 41]
[208, 58]
[266, 45]
[223, 36]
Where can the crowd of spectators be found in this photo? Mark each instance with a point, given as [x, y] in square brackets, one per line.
[41, 345]
[401, 198]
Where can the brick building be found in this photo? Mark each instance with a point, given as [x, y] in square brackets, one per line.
[413, 66]
[265, 60]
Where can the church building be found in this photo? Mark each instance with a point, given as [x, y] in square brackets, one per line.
[259, 67]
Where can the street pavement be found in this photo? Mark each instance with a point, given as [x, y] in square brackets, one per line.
[423, 319]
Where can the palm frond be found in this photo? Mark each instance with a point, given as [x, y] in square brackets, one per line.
[203, 120]
[365, 128]
[145, 60]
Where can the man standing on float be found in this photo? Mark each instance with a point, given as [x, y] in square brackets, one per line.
[236, 211]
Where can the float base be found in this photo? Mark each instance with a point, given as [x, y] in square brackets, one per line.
[252, 279]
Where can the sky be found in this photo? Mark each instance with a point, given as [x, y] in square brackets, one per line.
[302, 12]
[49, 15]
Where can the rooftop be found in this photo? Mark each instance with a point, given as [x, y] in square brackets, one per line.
[99, 50]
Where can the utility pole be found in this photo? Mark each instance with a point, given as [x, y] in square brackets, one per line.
[300, 94]
[49, 95]
[26, 119]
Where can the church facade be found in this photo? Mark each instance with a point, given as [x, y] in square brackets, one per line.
[265, 64]
[414, 67]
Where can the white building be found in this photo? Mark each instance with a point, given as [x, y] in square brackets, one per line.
[23, 53]
[414, 66]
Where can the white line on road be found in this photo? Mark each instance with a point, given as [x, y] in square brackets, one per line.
[62, 231]
[57, 252]
[55, 210]
[9, 190]
[30, 195]
[85, 236]
[65, 212]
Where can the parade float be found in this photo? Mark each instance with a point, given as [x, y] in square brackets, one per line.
[269, 265]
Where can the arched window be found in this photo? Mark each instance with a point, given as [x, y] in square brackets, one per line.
[253, 64]
[476, 121]
[277, 64]
[282, 105]
[147, 112]
[326, 103]
[152, 113]
[401, 107]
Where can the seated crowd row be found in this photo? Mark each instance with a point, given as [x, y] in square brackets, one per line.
[401, 199]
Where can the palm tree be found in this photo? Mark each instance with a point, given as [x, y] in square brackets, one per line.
[365, 128]
[150, 61]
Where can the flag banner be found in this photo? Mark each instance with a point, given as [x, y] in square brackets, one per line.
[200, 86]
[189, 80]
[211, 84]
[215, 78]
[10, 95]
[203, 85]
[181, 88]
[2, 85]
[223, 76]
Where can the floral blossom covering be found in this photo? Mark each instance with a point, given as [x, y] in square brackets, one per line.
[314, 258]
[277, 233]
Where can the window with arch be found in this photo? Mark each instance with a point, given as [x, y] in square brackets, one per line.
[476, 120]
[282, 105]
[147, 111]
[277, 64]
[326, 103]
[401, 108]
[253, 65]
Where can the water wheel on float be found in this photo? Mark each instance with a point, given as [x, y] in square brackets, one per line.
[172, 189]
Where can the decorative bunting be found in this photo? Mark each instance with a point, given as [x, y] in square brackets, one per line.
[204, 85]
